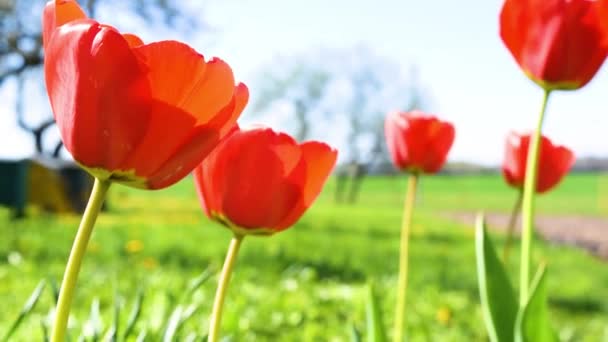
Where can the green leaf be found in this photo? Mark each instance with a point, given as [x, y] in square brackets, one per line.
[134, 315]
[498, 302]
[533, 323]
[112, 334]
[95, 320]
[173, 324]
[197, 282]
[355, 336]
[29, 305]
[142, 335]
[45, 331]
[375, 325]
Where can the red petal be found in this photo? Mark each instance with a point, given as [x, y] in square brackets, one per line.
[57, 13]
[559, 44]
[554, 164]
[98, 93]
[227, 117]
[516, 154]
[169, 127]
[204, 193]
[441, 139]
[319, 159]
[133, 40]
[210, 176]
[187, 156]
[180, 77]
[177, 75]
[417, 141]
[257, 192]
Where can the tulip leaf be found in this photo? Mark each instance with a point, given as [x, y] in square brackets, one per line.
[375, 324]
[532, 323]
[498, 301]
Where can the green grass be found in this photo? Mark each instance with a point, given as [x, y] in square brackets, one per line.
[305, 284]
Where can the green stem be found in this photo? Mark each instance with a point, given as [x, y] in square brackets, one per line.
[527, 229]
[66, 294]
[403, 257]
[220, 294]
[511, 227]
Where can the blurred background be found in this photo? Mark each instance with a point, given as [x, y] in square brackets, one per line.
[318, 71]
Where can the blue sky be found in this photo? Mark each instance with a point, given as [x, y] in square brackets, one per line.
[473, 80]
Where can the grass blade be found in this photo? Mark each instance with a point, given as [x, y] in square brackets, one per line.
[142, 335]
[192, 337]
[355, 335]
[45, 331]
[173, 324]
[197, 282]
[135, 314]
[375, 324]
[95, 320]
[498, 302]
[54, 290]
[29, 305]
[112, 333]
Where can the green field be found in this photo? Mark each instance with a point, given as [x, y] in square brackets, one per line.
[306, 284]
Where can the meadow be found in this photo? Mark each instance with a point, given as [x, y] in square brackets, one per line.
[306, 284]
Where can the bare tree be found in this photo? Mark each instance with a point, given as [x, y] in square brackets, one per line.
[21, 53]
[341, 91]
[302, 85]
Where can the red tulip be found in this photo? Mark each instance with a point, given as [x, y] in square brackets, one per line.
[418, 142]
[553, 164]
[559, 44]
[140, 114]
[258, 181]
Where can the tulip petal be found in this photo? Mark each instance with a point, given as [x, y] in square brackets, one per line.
[176, 74]
[227, 117]
[206, 195]
[418, 141]
[441, 138]
[554, 164]
[179, 76]
[209, 176]
[192, 151]
[57, 13]
[558, 44]
[319, 159]
[397, 147]
[98, 92]
[169, 127]
[516, 156]
[256, 192]
[133, 40]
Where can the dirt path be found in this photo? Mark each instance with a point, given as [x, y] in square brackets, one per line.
[590, 233]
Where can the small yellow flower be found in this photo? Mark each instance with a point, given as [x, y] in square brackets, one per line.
[444, 315]
[149, 263]
[134, 246]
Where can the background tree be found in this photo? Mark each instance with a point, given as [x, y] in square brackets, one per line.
[341, 96]
[21, 54]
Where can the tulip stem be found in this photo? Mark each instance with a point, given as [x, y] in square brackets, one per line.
[220, 294]
[511, 227]
[403, 256]
[70, 277]
[527, 229]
